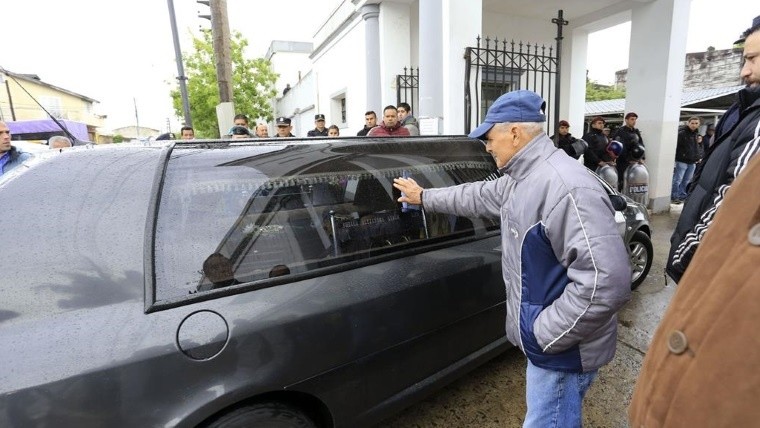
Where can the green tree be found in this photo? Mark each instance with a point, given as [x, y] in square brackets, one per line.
[118, 138]
[598, 92]
[252, 85]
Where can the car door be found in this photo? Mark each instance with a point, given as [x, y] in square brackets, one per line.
[326, 285]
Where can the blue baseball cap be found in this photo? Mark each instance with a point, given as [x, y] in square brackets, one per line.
[515, 106]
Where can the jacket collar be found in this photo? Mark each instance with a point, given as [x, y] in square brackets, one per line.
[398, 125]
[747, 97]
[529, 158]
[13, 153]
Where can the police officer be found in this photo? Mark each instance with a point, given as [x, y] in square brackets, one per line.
[630, 136]
[596, 154]
[320, 130]
[283, 128]
[564, 140]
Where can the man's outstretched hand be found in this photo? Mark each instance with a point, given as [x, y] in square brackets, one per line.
[411, 192]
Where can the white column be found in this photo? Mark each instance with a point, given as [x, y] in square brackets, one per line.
[446, 28]
[395, 49]
[431, 65]
[370, 13]
[462, 23]
[653, 89]
[573, 97]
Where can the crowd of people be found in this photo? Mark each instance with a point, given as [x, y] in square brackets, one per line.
[626, 146]
[397, 121]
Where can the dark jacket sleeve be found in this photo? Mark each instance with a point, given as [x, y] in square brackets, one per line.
[590, 156]
[682, 249]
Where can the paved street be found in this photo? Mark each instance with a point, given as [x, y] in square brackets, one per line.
[493, 395]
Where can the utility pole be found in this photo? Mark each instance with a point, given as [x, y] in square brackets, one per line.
[180, 68]
[220, 35]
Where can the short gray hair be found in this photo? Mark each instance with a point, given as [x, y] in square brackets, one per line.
[530, 128]
[59, 139]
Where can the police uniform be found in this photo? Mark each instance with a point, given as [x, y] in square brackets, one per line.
[283, 121]
[316, 132]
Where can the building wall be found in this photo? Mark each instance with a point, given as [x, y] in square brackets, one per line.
[61, 104]
[341, 87]
[290, 60]
[704, 70]
[514, 27]
[299, 105]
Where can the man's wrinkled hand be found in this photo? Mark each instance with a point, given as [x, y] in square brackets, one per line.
[411, 192]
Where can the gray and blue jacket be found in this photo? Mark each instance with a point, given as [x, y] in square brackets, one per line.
[13, 158]
[565, 266]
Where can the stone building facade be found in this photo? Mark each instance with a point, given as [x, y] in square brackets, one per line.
[704, 70]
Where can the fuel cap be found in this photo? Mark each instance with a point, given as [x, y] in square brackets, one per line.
[202, 335]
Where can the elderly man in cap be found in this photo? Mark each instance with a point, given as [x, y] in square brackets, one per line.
[319, 130]
[565, 266]
[737, 140]
[283, 128]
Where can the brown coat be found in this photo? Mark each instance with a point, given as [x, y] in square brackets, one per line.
[703, 367]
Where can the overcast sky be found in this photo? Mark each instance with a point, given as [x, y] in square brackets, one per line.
[119, 51]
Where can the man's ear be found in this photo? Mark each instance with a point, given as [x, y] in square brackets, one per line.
[517, 134]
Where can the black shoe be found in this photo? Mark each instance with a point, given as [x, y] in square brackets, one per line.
[676, 201]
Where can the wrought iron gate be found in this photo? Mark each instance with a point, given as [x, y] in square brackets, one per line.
[408, 87]
[495, 66]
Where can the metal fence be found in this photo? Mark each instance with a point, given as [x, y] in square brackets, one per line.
[494, 67]
[408, 87]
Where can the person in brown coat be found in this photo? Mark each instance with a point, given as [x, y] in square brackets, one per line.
[703, 366]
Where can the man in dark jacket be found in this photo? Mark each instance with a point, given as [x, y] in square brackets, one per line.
[687, 156]
[564, 140]
[630, 136]
[734, 146]
[370, 121]
[319, 127]
[596, 154]
[10, 156]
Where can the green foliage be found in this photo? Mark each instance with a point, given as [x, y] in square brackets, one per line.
[118, 138]
[597, 92]
[252, 85]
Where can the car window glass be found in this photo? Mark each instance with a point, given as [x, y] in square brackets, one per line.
[250, 213]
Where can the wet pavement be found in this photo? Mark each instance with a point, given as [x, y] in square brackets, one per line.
[493, 394]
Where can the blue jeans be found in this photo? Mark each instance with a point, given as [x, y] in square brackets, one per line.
[681, 178]
[555, 399]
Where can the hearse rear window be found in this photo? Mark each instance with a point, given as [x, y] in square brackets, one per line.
[245, 214]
